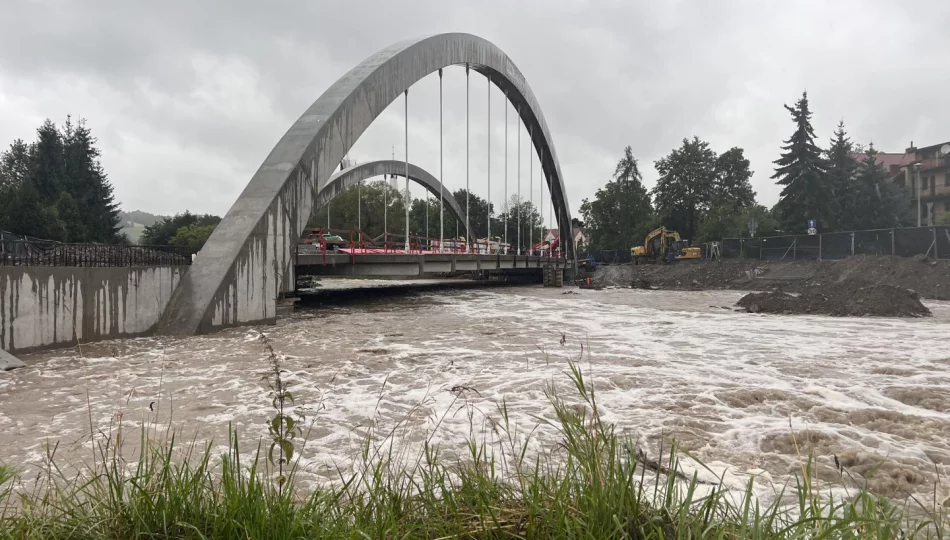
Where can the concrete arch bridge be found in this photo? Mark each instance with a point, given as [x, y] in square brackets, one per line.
[251, 258]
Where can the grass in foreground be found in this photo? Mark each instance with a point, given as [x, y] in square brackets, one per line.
[593, 485]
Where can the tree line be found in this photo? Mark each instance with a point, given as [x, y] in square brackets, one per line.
[707, 196]
[185, 231]
[362, 207]
[831, 186]
[700, 194]
[55, 187]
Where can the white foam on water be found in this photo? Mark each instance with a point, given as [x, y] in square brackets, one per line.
[731, 388]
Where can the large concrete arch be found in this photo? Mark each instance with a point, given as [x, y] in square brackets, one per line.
[343, 180]
[248, 261]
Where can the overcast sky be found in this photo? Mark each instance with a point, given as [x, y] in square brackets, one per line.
[187, 98]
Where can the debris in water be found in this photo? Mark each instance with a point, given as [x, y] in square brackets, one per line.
[640, 283]
[8, 361]
[459, 389]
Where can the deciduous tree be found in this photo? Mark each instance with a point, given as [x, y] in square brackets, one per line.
[620, 214]
[192, 238]
[162, 233]
[732, 187]
[374, 207]
[522, 213]
[686, 186]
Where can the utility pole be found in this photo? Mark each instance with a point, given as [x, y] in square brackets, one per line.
[917, 177]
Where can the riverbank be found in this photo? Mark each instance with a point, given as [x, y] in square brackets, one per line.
[929, 278]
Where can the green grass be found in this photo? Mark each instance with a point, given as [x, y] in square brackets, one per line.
[134, 232]
[590, 485]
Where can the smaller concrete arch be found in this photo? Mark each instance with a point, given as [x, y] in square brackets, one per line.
[343, 180]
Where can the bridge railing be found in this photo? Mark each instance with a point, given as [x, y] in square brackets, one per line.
[48, 253]
[321, 240]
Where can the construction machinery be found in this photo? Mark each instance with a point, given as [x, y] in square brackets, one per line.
[664, 245]
[587, 264]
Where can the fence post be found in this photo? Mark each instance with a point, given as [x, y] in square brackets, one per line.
[936, 255]
[761, 246]
[852, 243]
[893, 249]
[741, 252]
[819, 246]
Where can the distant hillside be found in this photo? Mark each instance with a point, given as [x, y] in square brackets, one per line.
[134, 223]
[140, 217]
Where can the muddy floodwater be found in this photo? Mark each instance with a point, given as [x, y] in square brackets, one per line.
[745, 394]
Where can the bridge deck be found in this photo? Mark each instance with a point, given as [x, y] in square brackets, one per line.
[380, 263]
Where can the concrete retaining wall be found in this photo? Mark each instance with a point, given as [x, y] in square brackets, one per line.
[44, 307]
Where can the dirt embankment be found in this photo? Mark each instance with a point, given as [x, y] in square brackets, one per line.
[843, 300]
[928, 278]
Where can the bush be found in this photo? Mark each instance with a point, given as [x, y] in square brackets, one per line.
[192, 237]
[162, 233]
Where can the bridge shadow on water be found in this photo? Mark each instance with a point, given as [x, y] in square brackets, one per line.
[400, 292]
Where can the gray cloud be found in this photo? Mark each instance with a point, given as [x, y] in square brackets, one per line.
[187, 98]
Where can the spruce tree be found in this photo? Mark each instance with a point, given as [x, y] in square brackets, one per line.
[14, 167]
[842, 168]
[27, 215]
[877, 203]
[56, 188]
[86, 182]
[46, 163]
[15, 164]
[802, 171]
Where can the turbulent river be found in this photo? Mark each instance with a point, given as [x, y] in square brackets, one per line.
[745, 394]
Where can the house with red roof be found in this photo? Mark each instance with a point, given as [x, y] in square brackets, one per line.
[929, 164]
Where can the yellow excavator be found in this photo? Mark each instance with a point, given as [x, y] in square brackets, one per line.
[664, 245]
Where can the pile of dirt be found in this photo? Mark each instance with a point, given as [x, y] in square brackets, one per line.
[929, 278]
[840, 301]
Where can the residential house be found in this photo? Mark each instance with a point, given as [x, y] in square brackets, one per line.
[932, 165]
[581, 240]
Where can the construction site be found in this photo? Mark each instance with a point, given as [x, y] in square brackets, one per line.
[864, 273]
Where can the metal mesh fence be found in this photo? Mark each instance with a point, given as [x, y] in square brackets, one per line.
[942, 247]
[874, 242]
[807, 247]
[910, 242]
[752, 248]
[837, 245]
[777, 248]
[731, 247]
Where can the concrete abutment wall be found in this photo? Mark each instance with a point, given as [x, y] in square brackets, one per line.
[46, 307]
